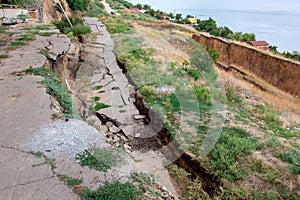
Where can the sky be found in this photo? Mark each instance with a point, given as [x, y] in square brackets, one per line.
[292, 5]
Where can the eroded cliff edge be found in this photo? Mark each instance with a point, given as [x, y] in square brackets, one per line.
[281, 73]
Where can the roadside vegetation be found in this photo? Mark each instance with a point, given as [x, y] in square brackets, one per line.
[55, 87]
[78, 29]
[99, 159]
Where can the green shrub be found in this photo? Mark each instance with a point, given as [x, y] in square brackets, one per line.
[200, 59]
[203, 94]
[232, 97]
[214, 55]
[193, 73]
[79, 28]
[78, 4]
[113, 191]
[147, 90]
[232, 146]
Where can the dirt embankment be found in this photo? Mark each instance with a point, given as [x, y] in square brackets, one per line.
[281, 73]
[51, 11]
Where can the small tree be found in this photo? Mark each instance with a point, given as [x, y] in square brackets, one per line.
[273, 48]
[147, 6]
[178, 16]
[171, 15]
[226, 32]
[248, 37]
[139, 6]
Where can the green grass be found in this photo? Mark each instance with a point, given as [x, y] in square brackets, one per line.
[3, 56]
[69, 180]
[96, 98]
[226, 157]
[293, 159]
[115, 88]
[113, 191]
[3, 29]
[17, 43]
[47, 34]
[117, 25]
[98, 87]
[232, 97]
[2, 43]
[99, 159]
[100, 106]
[55, 88]
[95, 9]
[27, 37]
[42, 27]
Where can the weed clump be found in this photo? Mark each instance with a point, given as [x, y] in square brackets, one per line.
[55, 88]
[113, 191]
[99, 159]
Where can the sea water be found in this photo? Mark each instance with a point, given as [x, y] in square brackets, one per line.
[279, 27]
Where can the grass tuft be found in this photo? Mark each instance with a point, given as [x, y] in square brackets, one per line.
[99, 159]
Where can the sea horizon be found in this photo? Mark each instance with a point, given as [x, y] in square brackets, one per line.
[277, 26]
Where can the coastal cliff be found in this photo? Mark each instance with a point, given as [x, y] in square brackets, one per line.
[281, 73]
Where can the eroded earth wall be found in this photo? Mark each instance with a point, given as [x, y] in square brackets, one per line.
[281, 73]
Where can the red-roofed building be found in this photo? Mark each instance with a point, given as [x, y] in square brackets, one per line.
[260, 44]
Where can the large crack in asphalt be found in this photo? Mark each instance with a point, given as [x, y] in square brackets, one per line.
[143, 128]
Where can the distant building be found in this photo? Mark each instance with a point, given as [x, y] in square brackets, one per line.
[260, 44]
[136, 9]
[193, 20]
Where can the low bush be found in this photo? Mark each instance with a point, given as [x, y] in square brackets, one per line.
[203, 94]
[78, 4]
[113, 191]
[233, 144]
[193, 73]
[79, 28]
